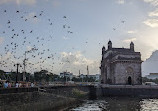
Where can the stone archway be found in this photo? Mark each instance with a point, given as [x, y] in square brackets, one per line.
[129, 80]
[130, 75]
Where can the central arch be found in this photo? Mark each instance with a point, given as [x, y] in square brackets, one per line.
[129, 80]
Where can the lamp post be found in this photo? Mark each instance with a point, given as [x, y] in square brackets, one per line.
[87, 74]
[24, 63]
[17, 71]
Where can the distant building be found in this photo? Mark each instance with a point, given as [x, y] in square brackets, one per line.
[152, 76]
[120, 65]
[83, 76]
[95, 77]
[66, 74]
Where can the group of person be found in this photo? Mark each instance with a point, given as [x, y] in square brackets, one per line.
[7, 84]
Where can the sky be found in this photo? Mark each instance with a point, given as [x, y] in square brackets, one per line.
[69, 34]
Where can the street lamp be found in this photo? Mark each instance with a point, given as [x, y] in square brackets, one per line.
[17, 71]
[24, 63]
[24, 66]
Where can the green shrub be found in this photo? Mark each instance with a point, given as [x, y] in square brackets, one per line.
[78, 93]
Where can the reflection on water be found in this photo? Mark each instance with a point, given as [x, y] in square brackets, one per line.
[97, 105]
[118, 104]
[149, 105]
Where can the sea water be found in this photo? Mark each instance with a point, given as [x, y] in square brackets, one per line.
[118, 104]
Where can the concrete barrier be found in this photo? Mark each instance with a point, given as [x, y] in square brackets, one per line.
[133, 91]
[48, 98]
[17, 90]
[67, 91]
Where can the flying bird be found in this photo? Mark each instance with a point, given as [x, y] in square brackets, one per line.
[64, 26]
[8, 21]
[123, 21]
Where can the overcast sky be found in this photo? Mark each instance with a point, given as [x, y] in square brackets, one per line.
[74, 31]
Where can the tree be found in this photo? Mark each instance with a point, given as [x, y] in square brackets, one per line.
[46, 76]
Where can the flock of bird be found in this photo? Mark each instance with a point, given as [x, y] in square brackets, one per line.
[36, 57]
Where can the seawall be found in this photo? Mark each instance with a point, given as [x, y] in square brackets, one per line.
[45, 99]
[59, 97]
[70, 91]
[128, 90]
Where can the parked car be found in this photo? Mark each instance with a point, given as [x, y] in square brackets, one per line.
[150, 83]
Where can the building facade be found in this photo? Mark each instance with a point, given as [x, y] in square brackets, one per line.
[66, 74]
[96, 77]
[120, 66]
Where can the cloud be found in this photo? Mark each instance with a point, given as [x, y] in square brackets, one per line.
[131, 31]
[129, 40]
[120, 1]
[148, 38]
[29, 48]
[7, 55]
[150, 65]
[152, 2]
[27, 2]
[154, 13]
[56, 3]
[1, 40]
[6, 1]
[65, 38]
[147, 42]
[18, 2]
[7, 62]
[74, 62]
[151, 22]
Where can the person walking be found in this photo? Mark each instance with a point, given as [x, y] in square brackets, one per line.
[32, 84]
[6, 84]
[17, 85]
[9, 85]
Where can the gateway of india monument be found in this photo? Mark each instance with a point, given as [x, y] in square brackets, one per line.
[121, 66]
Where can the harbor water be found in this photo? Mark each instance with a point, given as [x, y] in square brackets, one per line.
[117, 104]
